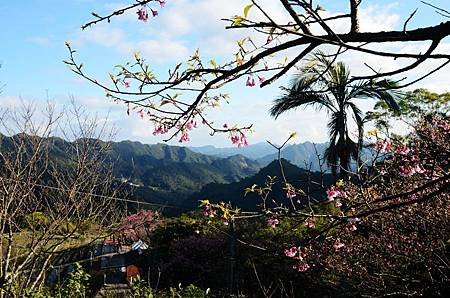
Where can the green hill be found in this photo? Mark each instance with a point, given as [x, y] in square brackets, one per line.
[234, 192]
[154, 173]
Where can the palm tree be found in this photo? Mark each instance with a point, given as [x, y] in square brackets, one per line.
[327, 85]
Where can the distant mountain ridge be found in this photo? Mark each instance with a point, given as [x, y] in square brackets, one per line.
[304, 155]
[254, 151]
[176, 168]
[156, 173]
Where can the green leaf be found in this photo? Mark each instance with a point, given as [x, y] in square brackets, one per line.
[247, 9]
[237, 20]
[164, 102]
[213, 63]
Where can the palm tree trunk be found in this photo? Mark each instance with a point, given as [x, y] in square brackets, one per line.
[342, 146]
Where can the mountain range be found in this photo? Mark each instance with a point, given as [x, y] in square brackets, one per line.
[179, 176]
[311, 182]
[305, 155]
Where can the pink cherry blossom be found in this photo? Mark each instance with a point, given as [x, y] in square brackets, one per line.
[208, 211]
[407, 171]
[419, 169]
[301, 266]
[154, 12]
[161, 129]
[402, 150]
[162, 3]
[184, 137]
[444, 125]
[383, 146]
[291, 252]
[333, 193]
[261, 79]
[266, 67]
[239, 139]
[142, 14]
[250, 82]
[273, 222]
[290, 191]
[126, 84]
[351, 227]
[190, 125]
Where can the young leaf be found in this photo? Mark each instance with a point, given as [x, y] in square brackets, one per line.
[213, 63]
[247, 9]
[237, 20]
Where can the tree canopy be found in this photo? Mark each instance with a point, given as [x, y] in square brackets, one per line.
[325, 85]
[176, 102]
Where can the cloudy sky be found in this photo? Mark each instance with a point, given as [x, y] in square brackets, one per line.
[34, 33]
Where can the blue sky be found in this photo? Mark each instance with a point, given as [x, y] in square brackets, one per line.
[34, 33]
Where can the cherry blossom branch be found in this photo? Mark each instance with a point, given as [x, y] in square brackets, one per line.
[118, 12]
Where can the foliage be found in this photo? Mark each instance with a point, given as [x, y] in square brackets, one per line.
[383, 231]
[141, 290]
[414, 105]
[323, 84]
[76, 285]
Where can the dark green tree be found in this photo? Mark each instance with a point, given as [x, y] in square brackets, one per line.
[324, 84]
[413, 106]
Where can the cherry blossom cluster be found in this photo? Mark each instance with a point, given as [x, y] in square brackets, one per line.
[251, 81]
[299, 256]
[291, 192]
[188, 126]
[237, 137]
[338, 244]
[138, 225]
[143, 14]
[208, 210]
[383, 146]
[160, 129]
[273, 222]
[336, 194]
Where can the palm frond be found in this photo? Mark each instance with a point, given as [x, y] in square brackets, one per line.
[384, 90]
[300, 94]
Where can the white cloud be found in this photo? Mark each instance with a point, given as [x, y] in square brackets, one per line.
[159, 50]
[378, 18]
[11, 102]
[96, 102]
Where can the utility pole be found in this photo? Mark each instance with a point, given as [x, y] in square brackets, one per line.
[232, 260]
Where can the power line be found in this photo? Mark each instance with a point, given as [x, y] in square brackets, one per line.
[93, 194]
